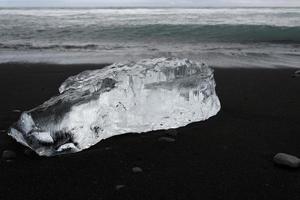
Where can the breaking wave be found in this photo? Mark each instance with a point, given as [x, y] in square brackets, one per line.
[29, 46]
[209, 33]
[155, 34]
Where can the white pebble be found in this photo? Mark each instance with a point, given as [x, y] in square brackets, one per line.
[287, 160]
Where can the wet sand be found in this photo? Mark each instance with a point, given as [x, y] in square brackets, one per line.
[226, 157]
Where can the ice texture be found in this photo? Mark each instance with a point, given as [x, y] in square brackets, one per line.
[137, 97]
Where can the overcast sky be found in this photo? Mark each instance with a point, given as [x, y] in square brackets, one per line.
[152, 3]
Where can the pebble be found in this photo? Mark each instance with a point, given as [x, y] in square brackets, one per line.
[166, 139]
[296, 73]
[137, 170]
[118, 187]
[8, 155]
[107, 148]
[287, 160]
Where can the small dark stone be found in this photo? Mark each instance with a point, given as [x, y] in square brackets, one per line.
[8, 155]
[137, 170]
[166, 139]
[118, 187]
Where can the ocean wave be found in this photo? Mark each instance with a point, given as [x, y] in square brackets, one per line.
[92, 37]
[208, 33]
[29, 46]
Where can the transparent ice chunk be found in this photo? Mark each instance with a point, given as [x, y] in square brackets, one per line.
[142, 96]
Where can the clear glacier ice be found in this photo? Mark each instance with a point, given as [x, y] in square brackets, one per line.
[150, 94]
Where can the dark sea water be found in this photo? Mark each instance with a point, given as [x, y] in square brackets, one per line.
[221, 36]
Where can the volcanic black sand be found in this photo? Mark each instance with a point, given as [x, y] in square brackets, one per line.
[228, 156]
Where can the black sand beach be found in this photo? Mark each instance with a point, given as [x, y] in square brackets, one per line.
[226, 157]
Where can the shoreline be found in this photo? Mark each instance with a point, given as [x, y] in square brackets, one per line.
[219, 55]
[98, 65]
[229, 156]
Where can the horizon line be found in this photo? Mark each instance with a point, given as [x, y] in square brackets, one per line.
[142, 7]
